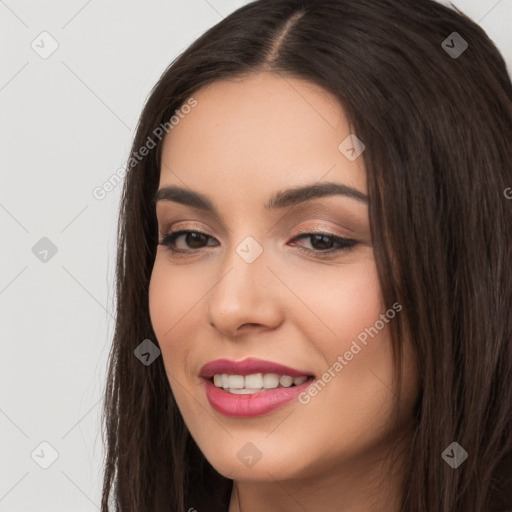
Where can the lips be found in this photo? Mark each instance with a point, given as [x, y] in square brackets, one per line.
[256, 403]
[249, 406]
[247, 367]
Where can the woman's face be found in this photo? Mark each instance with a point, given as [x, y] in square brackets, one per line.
[272, 282]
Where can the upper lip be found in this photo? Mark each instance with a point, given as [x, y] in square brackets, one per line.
[247, 367]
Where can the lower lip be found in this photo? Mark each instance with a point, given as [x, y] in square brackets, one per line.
[256, 404]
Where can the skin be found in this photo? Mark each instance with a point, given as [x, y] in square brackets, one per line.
[245, 140]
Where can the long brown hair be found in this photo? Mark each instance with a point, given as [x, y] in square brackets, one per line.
[438, 156]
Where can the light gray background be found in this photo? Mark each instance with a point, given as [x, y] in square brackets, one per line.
[67, 122]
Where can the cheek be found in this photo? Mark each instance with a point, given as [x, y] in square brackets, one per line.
[338, 304]
[170, 301]
[349, 327]
[172, 297]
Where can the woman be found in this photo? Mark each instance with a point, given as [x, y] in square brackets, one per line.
[313, 279]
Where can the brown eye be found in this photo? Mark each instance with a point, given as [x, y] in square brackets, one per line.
[193, 240]
[322, 243]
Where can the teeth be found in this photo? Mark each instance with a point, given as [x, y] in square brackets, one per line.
[270, 380]
[244, 391]
[286, 381]
[236, 382]
[299, 380]
[256, 382]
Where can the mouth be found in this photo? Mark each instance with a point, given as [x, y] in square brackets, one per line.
[251, 387]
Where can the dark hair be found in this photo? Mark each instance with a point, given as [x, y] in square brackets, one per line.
[438, 161]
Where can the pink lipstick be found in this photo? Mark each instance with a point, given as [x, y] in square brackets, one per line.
[251, 400]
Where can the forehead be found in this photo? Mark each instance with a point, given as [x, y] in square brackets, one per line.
[260, 133]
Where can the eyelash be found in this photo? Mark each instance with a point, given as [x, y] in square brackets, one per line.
[344, 244]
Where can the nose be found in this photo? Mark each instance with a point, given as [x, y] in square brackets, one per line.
[247, 295]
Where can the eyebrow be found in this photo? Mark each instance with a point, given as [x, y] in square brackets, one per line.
[281, 199]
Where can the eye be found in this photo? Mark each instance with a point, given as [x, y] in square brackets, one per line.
[194, 239]
[323, 244]
[326, 243]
